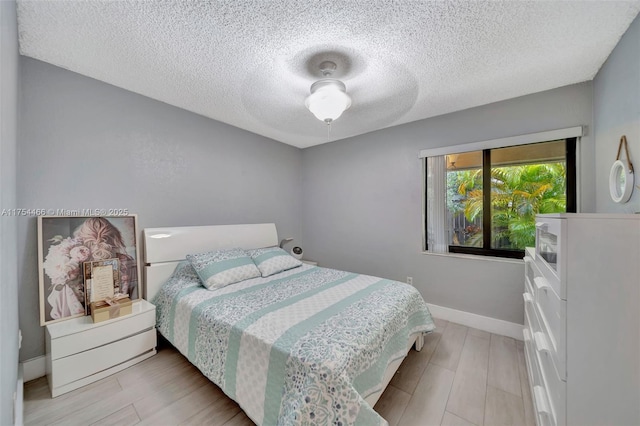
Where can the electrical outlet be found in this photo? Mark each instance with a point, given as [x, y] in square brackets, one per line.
[410, 280]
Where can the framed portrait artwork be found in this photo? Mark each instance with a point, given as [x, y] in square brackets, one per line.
[65, 243]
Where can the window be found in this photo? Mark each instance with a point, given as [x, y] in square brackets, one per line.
[485, 201]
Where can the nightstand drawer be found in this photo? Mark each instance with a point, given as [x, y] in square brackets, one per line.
[84, 364]
[80, 351]
[99, 335]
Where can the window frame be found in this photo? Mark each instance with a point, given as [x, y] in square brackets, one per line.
[571, 158]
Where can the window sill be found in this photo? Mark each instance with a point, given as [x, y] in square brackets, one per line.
[476, 257]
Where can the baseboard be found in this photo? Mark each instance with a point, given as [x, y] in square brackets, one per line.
[18, 399]
[492, 325]
[34, 368]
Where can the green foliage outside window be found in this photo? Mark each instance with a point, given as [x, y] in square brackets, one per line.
[518, 193]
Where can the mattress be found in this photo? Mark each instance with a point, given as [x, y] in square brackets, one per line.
[303, 346]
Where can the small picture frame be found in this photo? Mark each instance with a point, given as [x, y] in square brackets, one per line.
[97, 285]
[65, 243]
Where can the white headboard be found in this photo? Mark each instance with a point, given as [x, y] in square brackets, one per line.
[165, 247]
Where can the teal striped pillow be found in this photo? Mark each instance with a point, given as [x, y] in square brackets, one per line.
[220, 268]
[272, 260]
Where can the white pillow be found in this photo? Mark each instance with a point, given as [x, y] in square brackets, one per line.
[219, 268]
[272, 260]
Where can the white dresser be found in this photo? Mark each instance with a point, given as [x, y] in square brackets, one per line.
[582, 319]
[80, 352]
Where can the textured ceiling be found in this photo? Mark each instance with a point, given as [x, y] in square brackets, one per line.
[251, 63]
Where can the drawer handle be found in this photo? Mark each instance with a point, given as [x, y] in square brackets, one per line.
[541, 283]
[542, 343]
[527, 298]
[542, 404]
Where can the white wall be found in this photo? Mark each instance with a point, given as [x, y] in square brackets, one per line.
[616, 113]
[87, 144]
[362, 203]
[8, 242]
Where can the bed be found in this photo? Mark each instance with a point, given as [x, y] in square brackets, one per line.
[307, 345]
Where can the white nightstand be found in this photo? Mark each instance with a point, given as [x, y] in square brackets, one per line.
[80, 352]
[309, 262]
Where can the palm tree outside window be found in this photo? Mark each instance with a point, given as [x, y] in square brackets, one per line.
[493, 195]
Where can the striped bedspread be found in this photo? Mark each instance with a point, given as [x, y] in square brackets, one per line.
[302, 347]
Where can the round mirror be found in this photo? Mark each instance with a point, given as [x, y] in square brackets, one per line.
[620, 182]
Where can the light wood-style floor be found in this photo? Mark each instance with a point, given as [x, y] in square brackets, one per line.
[462, 376]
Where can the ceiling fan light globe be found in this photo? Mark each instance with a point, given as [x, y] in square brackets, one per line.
[328, 100]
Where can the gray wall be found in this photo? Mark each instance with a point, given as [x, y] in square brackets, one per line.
[8, 242]
[86, 144]
[362, 203]
[616, 113]
[357, 203]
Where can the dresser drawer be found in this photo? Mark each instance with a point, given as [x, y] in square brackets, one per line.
[543, 413]
[541, 404]
[528, 287]
[545, 277]
[534, 320]
[535, 379]
[531, 271]
[530, 316]
[554, 386]
[550, 251]
[552, 315]
[538, 279]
